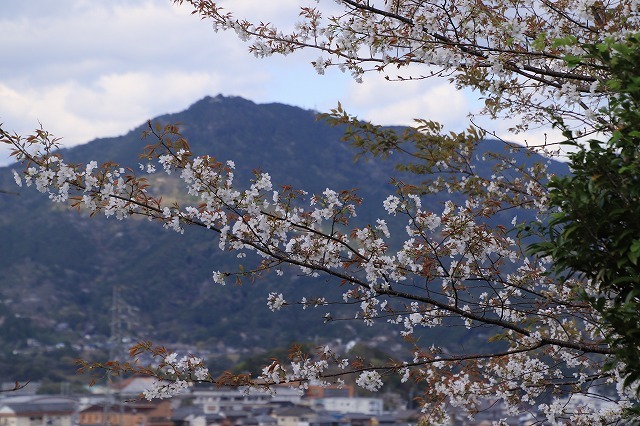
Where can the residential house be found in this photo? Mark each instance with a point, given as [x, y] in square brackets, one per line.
[132, 387]
[295, 416]
[228, 400]
[128, 414]
[38, 411]
[194, 416]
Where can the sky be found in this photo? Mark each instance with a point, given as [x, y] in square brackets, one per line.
[95, 68]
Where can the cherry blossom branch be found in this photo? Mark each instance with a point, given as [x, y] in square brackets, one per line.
[454, 254]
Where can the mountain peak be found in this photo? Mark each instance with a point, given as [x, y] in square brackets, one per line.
[220, 99]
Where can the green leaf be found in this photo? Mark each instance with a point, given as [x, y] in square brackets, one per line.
[572, 61]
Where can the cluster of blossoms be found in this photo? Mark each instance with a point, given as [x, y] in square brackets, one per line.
[370, 380]
[175, 374]
[275, 301]
[452, 269]
[514, 53]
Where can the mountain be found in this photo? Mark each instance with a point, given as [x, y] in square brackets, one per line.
[59, 268]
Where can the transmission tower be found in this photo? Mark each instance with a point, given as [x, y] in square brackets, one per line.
[121, 314]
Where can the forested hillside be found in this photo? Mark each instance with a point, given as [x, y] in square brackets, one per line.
[58, 268]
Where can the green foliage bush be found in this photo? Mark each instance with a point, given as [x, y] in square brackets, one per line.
[595, 230]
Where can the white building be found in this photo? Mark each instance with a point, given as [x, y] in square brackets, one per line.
[230, 400]
[371, 406]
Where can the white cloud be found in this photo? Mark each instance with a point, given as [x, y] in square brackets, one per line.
[279, 12]
[542, 138]
[387, 102]
[284, 14]
[113, 104]
[91, 69]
